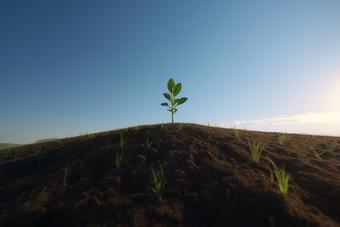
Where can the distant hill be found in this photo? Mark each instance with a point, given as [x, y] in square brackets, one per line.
[7, 145]
[44, 140]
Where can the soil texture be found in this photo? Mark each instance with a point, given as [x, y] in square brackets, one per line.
[210, 179]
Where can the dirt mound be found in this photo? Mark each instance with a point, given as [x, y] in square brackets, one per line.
[210, 179]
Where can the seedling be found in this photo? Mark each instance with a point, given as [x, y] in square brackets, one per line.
[332, 147]
[255, 151]
[283, 180]
[282, 137]
[66, 172]
[147, 141]
[119, 158]
[90, 151]
[174, 91]
[236, 131]
[179, 128]
[315, 153]
[158, 185]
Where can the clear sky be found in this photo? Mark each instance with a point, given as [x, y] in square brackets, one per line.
[88, 66]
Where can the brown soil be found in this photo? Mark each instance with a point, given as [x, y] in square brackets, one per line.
[212, 180]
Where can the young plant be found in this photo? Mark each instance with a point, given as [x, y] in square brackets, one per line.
[66, 172]
[174, 91]
[147, 141]
[255, 151]
[119, 158]
[315, 153]
[283, 180]
[158, 185]
[236, 131]
[179, 128]
[282, 137]
[332, 147]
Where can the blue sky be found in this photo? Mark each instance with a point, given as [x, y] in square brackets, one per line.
[88, 66]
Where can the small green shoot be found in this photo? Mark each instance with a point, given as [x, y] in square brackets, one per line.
[121, 140]
[282, 137]
[283, 180]
[119, 158]
[235, 131]
[315, 153]
[255, 151]
[66, 172]
[37, 152]
[90, 151]
[147, 141]
[158, 185]
[332, 148]
[179, 128]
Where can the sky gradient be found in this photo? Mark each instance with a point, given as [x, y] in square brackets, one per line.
[88, 66]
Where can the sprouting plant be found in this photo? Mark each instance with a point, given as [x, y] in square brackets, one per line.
[119, 158]
[174, 91]
[315, 153]
[158, 185]
[179, 128]
[136, 125]
[236, 131]
[332, 147]
[66, 172]
[255, 151]
[283, 180]
[90, 151]
[121, 140]
[147, 141]
[282, 137]
[37, 152]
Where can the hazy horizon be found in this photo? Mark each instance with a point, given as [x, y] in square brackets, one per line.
[84, 66]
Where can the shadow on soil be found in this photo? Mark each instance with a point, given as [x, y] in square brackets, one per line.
[211, 179]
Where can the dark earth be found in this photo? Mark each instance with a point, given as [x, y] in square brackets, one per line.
[211, 179]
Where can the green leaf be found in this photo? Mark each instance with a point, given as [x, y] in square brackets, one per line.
[176, 100]
[182, 100]
[171, 84]
[167, 96]
[177, 89]
[164, 104]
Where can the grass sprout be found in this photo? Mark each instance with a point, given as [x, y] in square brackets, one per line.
[255, 151]
[235, 131]
[315, 153]
[158, 185]
[331, 149]
[282, 137]
[147, 141]
[119, 158]
[283, 180]
[179, 128]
